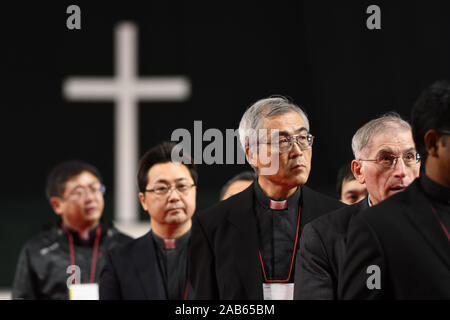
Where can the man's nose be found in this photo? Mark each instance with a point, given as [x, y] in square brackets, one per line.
[399, 168]
[296, 151]
[174, 195]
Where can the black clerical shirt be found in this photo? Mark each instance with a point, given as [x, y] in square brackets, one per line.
[277, 230]
[173, 265]
[439, 198]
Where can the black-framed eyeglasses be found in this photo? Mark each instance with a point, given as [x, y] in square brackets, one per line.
[285, 143]
[444, 132]
[388, 160]
[182, 189]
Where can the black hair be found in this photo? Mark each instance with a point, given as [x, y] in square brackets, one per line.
[245, 175]
[162, 153]
[60, 174]
[344, 174]
[430, 111]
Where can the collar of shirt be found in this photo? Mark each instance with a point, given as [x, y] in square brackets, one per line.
[435, 190]
[263, 201]
[174, 243]
[86, 239]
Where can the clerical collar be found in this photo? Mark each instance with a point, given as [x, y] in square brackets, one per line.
[267, 203]
[172, 243]
[434, 189]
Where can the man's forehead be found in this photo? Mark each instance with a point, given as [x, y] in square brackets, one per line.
[393, 142]
[289, 121]
[168, 172]
[84, 178]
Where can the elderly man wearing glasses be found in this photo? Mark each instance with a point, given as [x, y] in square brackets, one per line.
[400, 249]
[387, 162]
[244, 247]
[69, 252]
[154, 267]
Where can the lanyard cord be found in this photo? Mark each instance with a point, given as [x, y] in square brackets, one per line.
[293, 254]
[98, 233]
[440, 222]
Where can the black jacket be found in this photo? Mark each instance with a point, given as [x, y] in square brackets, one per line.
[132, 273]
[404, 239]
[42, 267]
[321, 253]
[224, 260]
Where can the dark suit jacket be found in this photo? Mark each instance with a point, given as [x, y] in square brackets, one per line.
[224, 260]
[132, 272]
[321, 253]
[401, 236]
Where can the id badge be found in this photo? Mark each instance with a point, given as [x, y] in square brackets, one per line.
[278, 291]
[85, 291]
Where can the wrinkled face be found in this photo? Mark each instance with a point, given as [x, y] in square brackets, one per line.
[82, 202]
[174, 208]
[382, 182]
[352, 191]
[291, 168]
[236, 187]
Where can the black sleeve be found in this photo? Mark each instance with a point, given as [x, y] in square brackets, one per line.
[24, 285]
[109, 282]
[313, 274]
[364, 254]
[202, 275]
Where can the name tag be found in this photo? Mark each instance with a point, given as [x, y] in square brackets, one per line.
[278, 291]
[87, 291]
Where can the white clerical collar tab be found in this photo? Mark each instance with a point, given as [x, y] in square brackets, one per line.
[170, 244]
[278, 205]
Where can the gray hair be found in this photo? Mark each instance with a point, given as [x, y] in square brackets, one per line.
[389, 122]
[266, 108]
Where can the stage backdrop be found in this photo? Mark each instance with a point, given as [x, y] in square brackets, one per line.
[191, 62]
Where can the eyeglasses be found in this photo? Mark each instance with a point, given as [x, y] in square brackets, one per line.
[388, 160]
[444, 132]
[82, 192]
[182, 189]
[285, 143]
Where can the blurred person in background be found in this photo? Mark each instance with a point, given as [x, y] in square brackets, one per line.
[238, 183]
[70, 252]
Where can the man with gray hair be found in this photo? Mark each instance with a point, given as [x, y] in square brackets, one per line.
[244, 247]
[400, 249]
[387, 162]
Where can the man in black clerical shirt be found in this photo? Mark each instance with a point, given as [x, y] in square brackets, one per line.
[388, 141]
[244, 247]
[400, 249]
[154, 266]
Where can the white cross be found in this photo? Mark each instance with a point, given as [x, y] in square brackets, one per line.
[126, 89]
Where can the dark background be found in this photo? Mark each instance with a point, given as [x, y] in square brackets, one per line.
[319, 53]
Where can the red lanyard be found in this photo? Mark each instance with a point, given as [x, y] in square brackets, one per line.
[98, 233]
[293, 255]
[442, 225]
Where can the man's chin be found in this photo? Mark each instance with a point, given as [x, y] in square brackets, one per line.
[301, 179]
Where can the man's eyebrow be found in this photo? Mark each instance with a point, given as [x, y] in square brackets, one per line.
[409, 150]
[286, 133]
[353, 191]
[388, 150]
[385, 151]
[88, 185]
